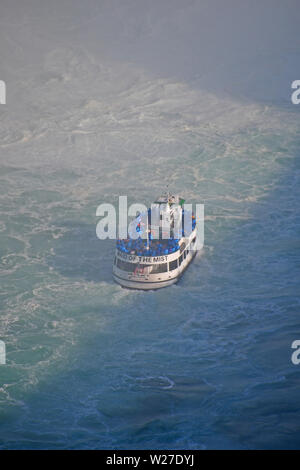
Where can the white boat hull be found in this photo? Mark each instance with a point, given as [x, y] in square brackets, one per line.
[136, 280]
[142, 285]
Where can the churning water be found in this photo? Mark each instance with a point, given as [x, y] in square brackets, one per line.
[202, 364]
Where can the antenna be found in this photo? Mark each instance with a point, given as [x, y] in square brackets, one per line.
[168, 192]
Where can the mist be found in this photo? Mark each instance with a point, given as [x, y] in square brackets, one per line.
[248, 49]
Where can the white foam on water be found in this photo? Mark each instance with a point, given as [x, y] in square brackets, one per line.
[130, 133]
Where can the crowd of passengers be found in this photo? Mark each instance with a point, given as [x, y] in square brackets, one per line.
[140, 247]
[151, 247]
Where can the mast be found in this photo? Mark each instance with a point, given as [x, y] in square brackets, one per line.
[147, 231]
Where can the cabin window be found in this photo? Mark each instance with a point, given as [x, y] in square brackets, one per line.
[159, 268]
[129, 267]
[180, 260]
[184, 254]
[135, 268]
[173, 265]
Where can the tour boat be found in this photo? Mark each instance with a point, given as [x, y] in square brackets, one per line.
[156, 254]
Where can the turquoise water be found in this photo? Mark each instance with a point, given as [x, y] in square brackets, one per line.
[202, 364]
